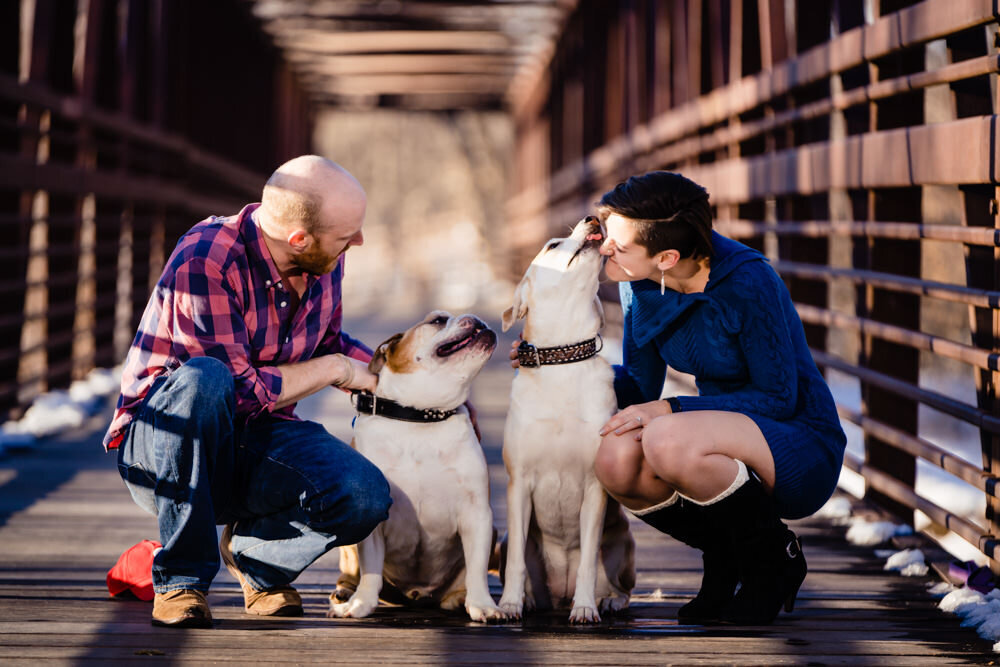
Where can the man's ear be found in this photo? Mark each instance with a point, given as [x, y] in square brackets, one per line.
[382, 353]
[520, 307]
[299, 239]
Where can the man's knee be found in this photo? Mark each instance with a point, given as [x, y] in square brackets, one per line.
[205, 378]
[364, 504]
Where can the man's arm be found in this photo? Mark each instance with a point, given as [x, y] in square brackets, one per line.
[307, 377]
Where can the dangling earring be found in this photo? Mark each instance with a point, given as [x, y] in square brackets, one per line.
[663, 287]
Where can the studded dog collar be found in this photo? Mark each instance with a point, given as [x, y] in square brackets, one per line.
[369, 404]
[530, 356]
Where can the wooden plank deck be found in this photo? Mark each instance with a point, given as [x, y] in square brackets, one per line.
[65, 517]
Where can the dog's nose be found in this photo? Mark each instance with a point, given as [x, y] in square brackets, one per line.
[477, 324]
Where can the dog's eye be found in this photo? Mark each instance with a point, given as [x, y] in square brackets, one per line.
[553, 245]
[440, 319]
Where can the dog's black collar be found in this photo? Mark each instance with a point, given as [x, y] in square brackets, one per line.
[369, 404]
[530, 356]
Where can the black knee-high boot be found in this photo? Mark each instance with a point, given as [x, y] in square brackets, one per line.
[686, 521]
[768, 554]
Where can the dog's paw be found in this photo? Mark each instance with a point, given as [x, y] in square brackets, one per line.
[354, 608]
[512, 609]
[486, 612]
[341, 595]
[613, 603]
[584, 614]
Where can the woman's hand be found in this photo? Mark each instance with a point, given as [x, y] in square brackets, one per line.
[635, 417]
[514, 363]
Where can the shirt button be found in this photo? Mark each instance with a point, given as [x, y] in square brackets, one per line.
[267, 283]
[288, 339]
[284, 303]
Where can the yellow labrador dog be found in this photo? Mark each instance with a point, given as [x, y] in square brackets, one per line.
[566, 539]
[435, 546]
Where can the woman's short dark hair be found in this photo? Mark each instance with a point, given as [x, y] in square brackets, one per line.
[669, 212]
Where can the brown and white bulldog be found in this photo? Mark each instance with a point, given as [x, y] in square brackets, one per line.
[436, 544]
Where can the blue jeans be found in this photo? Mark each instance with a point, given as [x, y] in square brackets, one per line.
[292, 490]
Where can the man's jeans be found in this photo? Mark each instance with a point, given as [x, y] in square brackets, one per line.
[293, 490]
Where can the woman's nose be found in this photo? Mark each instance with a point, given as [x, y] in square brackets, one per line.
[605, 248]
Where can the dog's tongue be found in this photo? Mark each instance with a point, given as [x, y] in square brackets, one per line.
[594, 237]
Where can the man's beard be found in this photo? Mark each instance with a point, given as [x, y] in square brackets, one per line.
[316, 261]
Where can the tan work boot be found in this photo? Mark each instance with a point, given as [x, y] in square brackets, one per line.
[279, 601]
[183, 608]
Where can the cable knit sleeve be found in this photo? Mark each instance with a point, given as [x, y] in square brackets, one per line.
[758, 301]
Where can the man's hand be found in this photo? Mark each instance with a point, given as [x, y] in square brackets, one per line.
[353, 375]
[635, 417]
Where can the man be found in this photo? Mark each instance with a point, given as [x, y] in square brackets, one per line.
[244, 322]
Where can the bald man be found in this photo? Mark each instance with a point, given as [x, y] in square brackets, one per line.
[244, 322]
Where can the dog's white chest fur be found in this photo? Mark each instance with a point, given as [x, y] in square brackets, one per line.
[434, 472]
[577, 400]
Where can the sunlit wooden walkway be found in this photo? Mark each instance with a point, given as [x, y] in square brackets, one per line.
[65, 517]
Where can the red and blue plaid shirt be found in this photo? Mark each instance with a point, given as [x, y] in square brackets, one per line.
[221, 296]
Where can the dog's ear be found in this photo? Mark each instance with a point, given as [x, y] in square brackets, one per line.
[382, 353]
[599, 307]
[520, 307]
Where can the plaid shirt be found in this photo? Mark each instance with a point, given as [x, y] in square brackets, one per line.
[221, 296]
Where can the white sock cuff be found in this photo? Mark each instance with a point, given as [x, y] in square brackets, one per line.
[742, 476]
[674, 497]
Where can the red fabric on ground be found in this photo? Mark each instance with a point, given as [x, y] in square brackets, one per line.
[134, 571]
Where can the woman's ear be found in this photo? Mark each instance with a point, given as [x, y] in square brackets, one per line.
[667, 259]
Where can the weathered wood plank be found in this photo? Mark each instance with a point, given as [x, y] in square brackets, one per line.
[65, 516]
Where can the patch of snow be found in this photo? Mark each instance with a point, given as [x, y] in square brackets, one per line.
[869, 533]
[908, 562]
[58, 411]
[941, 588]
[837, 509]
[978, 611]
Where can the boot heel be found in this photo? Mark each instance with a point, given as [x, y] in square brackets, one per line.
[790, 600]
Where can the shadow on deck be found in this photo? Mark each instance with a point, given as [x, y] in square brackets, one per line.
[65, 517]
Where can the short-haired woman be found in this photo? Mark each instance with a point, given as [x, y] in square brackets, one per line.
[762, 441]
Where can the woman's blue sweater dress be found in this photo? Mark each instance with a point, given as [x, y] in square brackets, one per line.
[743, 341]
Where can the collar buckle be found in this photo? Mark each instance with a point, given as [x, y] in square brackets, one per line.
[528, 355]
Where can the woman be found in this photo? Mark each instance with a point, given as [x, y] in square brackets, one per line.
[761, 441]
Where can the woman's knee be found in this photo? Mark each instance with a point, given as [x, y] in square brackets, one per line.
[618, 463]
[668, 450]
